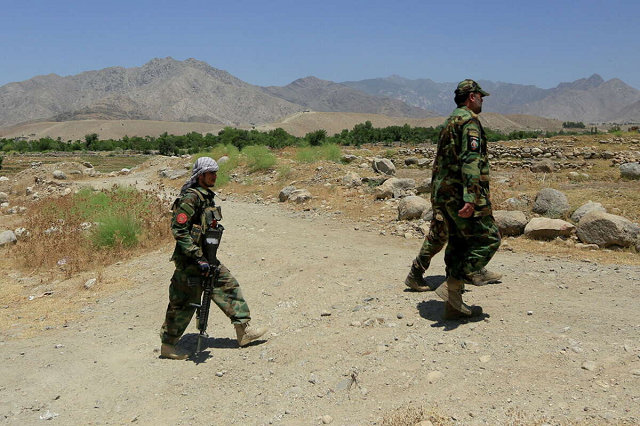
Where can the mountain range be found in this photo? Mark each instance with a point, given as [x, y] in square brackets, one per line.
[588, 99]
[193, 91]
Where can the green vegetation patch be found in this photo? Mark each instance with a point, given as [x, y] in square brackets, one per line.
[328, 152]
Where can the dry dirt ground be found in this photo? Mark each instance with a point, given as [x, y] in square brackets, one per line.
[298, 124]
[347, 340]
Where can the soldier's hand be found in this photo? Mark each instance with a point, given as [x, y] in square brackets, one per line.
[203, 266]
[467, 210]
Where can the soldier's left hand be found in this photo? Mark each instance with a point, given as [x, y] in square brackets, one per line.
[467, 210]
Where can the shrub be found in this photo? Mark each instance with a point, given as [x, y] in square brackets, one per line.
[91, 228]
[329, 152]
[259, 158]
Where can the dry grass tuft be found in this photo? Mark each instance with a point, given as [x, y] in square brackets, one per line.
[89, 229]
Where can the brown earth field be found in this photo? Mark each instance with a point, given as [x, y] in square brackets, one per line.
[348, 343]
[298, 124]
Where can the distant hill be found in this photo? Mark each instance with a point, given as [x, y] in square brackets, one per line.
[588, 99]
[327, 96]
[162, 89]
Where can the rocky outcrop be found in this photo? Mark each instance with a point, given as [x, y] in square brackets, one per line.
[510, 223]
[412, 207]
[542, 228]
[607, 230]
[551, 203]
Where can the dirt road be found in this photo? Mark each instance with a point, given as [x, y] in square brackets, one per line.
[346, 340]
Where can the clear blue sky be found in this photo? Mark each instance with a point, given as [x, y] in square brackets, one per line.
[275, 42]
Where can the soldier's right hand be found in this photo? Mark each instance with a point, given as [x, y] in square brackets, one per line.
[203, 266]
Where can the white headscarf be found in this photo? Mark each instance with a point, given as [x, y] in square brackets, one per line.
[201, 166]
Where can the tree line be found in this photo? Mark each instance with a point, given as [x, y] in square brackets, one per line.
[191, 143]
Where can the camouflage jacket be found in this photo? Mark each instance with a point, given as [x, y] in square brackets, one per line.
[189, 223]
[461, 166]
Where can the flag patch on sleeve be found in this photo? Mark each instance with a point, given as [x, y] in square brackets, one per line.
[182, 218]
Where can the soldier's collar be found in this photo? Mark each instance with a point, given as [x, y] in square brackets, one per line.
[205, 191]
[466, 108]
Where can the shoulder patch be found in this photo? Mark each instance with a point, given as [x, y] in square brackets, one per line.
[474, 143]
[182, 218]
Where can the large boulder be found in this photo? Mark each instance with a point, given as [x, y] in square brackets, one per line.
[4, 198]
[395, 188]
[542, 166]
[59, 174]
[424, 187]
[384, 165]
[542, 228]
[550, 202]
[7, 237]
[412, 207]
[586, 208]
[348, 158]
[285, 193]
[411, 161]
[510, 223]
[300, 196]
[424, 162]
[630, 171]
[606, 230]
[352, 180]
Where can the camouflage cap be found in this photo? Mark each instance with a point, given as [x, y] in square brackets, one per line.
[469, 86]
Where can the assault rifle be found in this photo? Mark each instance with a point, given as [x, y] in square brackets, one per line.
[212, 239]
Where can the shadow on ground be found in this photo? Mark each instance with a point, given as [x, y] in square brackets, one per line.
[432, 310]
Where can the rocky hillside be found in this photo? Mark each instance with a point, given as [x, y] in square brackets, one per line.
[327, 96]
[589, 99]
[162, 89]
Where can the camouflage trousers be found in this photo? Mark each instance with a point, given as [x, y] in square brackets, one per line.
[472, 242]
[226, 294]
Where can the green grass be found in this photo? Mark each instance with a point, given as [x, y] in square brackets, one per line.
[114, 230]
[259, 158]
[329, 152]
[224, 172]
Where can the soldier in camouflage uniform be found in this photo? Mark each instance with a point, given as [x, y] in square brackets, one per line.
[462, 207]
[192, 210]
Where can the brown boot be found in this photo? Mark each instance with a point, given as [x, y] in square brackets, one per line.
[173, 352]
[416, 282]
[247, 334]
[451, 292]
[484, 277]
[450, 313]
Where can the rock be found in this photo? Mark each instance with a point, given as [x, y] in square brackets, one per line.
[635, 372]
[313, 379]
[66, 191]
[124, 171]
[542, 228]
[352, 180]
[542, 166]
[427, 216]
[550, 202]
[286, 192]
[510, 223]
[348, 158]
[606, 230]
[411, 161]
[424, 162]
[4, 197]
[87, 164]
[630, 171]
[586, 208]
[90, 283]
[222, 160]
[300, 196]
[434, 376]
[396, 188]
[412, 207]
[384, 165]
[7, 237]
[424, 187]
[59, 174]
[536, 151]
[516, 203]
[21, 233]
[3, 179]
[326, 419]
[578, 177]
[589, 365]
